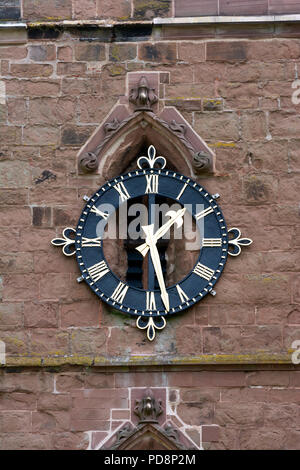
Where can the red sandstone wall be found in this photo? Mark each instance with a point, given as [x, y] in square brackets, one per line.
[56, 94]
[140, 9]
[237, 96]
[218, 410]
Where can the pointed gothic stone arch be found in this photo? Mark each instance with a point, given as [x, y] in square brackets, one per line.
[123, 134]
[148, 434]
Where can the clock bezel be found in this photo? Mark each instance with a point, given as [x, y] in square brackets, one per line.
[95, 285]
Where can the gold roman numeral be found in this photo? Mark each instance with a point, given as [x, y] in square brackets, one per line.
[181, 192]
[97, 211]
[152, 184]
[90, 242]
[119, 292]
[182, 294]
[203, 271]
[123, 193]
[150, 301]
[98, 270]
[211, 242]
[204, 213]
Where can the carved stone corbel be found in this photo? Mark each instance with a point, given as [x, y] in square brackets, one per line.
[201, 161]
[111, 126]
[172, 434]
[88, 162]
[148, 409]
[142, 96]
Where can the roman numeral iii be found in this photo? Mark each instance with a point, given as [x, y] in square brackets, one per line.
[203, 271]
[123, 193]
[152, 184]
[211, 242]
[98, 270]
[119, 292]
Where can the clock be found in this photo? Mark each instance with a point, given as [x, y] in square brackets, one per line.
[152, 300]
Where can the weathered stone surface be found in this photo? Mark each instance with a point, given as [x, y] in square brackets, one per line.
[89, 52]
[122, 52]
[225, 126]
[56, 9]
[85, 9]
[226, 51]
[40, 315]
[89, 341]
[246, 7]
[120, 10]
[160, 52]
[195, 8]
[148, 9]
[264, 439]
[10, 10]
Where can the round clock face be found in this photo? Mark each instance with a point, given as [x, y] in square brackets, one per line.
[155, 298]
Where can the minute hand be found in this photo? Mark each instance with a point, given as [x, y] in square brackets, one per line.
[143, 249]
[151, 243]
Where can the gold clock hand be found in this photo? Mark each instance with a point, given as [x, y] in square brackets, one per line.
[151, 243]
[174, 218]
[143, 249]
[159, 274]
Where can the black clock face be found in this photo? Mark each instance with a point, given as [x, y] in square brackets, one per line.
[155, 298]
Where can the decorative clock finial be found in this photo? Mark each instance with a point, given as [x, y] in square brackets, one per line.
[151, 160]
[66, 242]
[236, 242]
[142, 95]
[151, 323]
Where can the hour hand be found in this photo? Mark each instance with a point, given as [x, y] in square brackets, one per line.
[174, 217]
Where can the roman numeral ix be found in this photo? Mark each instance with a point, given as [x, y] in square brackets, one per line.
[90, 242]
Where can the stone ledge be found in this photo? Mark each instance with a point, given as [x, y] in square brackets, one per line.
[9, 24]
[194, 20]
[227, 19]
[133, 361]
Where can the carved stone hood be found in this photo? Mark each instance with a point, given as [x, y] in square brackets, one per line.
[136, 121]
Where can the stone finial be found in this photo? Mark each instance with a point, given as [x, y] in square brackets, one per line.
[142, 96]
[148, 409]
